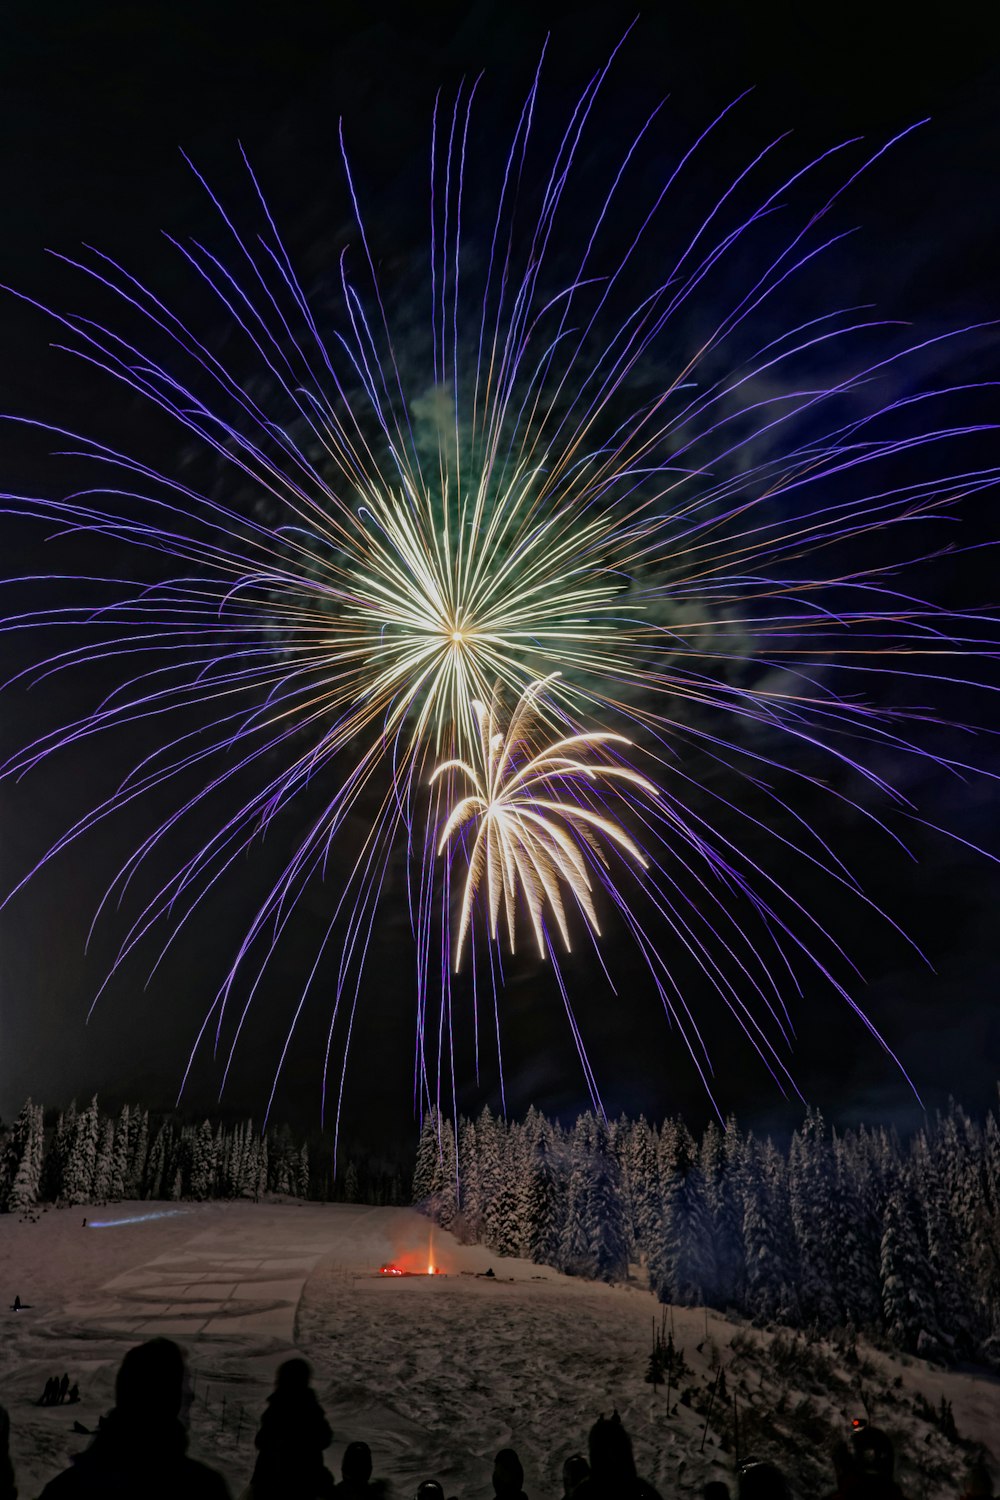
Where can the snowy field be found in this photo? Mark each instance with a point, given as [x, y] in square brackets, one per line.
[435, 1373]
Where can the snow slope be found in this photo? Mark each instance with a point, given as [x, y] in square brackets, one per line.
[435, 1373]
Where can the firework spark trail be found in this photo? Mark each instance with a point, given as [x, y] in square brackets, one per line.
[704, 563]
[526, 842]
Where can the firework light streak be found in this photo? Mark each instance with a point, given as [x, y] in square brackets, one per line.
[693, 502]
[527, 843]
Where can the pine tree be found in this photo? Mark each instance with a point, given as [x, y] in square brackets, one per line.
[907, 1292]
[644, 1188]
[79, 1177]
[54, 1176]
[103, 1161]
[302, 1173]
[937, 1229]
[25, 1154]
[117, 1185]
[203, 1162]
[544, 1207]
[351, 1187]
[427, 1154]
[469, 1185]
[810, 1192]
[854, 1248]
[497, 1186]
[441, 1204]
[720, 1158]
[686, 1268]
[156, 1163]
[250, 1162]
[767, 1237]
[574, 1249]
[594, 1238]
[138, 1147]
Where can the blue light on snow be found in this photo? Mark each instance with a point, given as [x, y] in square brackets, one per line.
[167, 1213]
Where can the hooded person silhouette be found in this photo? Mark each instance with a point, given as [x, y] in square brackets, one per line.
[8, 1489]
[140, 1448]
[612, 1466]
[508, 1476]
[291, 1438]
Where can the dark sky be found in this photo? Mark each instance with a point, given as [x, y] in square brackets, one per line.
[94, 102]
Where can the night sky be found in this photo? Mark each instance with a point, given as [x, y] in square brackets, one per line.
[94, 102]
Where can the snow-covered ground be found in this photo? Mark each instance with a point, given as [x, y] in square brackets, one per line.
[436, 1373]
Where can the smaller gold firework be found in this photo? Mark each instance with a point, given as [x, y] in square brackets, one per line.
[528, 838]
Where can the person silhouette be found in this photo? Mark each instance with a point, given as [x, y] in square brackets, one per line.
[140, 1446]
[63, 1388]
[356, 1475]
[291, 1438]
[8, 1489]
[762, 1481]
[508, 1476]
[574, 1471]
[612, 1466]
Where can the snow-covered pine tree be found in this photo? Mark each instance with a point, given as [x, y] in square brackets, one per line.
[103, 1161]
[991, 1175]
[594, 1240]
[427, 1155]
[644, 1188]
[282, 1158]
[545, 1206]
[767, 1236]
[14, 1145]
[810, 1195]
[154, 1183]
[991, 1161]
[260, 1185]
[492, 1177]
[54, 1172]
[442, 1200]
[469, 1186]
[854, 1247]
[937, 1229]
[138, 1148]
[203, 1162]
[720, 1160]
[180, 1161]
[250, 1163]
[685, 1270]
[907, 1289]
[229, 1160]
[27, 1143]
[523, 1140]
[503, 1231]
[574, 1250]
[117, 1183]
[605, 1209]
[79, 1175]
[302, 1172]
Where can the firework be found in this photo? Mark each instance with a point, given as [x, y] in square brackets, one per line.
[528, 843]
[694, 504]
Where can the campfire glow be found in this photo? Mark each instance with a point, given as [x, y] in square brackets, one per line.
[414, 1262]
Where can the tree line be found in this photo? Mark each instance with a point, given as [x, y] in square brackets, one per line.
[89, 1156]
[841, 1231]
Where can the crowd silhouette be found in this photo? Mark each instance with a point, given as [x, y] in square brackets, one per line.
[140, 1450]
